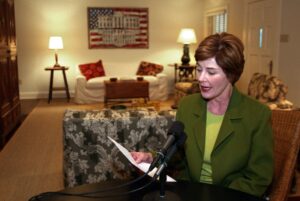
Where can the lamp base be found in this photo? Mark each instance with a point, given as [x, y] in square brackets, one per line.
[56, 66]
[185, 59]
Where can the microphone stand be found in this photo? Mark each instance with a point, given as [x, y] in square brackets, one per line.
[162, 195]
[162, 182]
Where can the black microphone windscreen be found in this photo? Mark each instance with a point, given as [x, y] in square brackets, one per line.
[181, 140]
[176, 128]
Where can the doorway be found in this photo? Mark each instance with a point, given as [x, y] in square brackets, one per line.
[261, 38]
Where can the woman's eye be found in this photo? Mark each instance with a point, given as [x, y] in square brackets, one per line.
[199, 70]
[211, 72]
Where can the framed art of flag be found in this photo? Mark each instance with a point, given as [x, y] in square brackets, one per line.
[118, 27]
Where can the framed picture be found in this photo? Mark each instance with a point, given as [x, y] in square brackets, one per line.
[118, 27]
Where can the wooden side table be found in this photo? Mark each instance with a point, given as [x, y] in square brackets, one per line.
[183, 73]
[51, 88]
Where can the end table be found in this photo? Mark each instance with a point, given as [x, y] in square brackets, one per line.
[51, 88]
[184, 73]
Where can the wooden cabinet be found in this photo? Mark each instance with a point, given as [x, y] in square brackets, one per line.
[10, 109]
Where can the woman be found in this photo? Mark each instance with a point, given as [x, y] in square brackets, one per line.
[229, 134]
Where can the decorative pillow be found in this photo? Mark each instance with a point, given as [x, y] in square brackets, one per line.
[147, 68]
[91, 70]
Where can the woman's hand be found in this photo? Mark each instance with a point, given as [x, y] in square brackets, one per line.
[142, 157]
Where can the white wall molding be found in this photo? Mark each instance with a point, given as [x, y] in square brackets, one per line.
[44, 95]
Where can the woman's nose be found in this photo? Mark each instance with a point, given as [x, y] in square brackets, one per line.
[201, 76]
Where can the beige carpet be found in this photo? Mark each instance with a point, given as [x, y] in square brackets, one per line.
[31, 162]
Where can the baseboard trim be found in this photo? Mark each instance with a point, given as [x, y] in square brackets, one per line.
[43, 95]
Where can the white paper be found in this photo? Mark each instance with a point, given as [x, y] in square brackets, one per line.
[142, 166]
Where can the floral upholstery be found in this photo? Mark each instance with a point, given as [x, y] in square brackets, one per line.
[90, 157]
[183, 89]
[147, 68]
[270, 90]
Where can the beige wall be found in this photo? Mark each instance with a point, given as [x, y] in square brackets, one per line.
[36, 20]
[289, 59]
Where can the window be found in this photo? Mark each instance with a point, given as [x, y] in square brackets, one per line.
[261, 32]
[216, 21]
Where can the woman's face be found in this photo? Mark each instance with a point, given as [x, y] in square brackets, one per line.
[213, 82]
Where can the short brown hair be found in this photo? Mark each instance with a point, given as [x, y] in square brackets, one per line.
[228, 52]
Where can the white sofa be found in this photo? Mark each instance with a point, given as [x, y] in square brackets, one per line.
[93, 90]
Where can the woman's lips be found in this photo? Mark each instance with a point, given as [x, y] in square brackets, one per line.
[204, 88]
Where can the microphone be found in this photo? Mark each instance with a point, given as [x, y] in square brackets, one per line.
[176, 129]
[170, 153]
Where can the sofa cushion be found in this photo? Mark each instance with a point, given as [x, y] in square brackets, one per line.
[128, 77]
[91, 70]
[96, 82]
[147, 68]
[153, 81]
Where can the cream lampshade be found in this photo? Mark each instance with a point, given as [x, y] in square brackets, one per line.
[56, 43]
[186, 36]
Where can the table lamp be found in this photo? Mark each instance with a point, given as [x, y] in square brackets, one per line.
[56, 43]
[186, 36]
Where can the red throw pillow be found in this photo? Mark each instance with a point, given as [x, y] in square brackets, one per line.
[91, 70]
[147, 68]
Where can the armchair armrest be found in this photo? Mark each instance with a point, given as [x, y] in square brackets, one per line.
[80, 80]
[161, 75]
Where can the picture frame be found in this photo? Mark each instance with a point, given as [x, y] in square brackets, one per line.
[116, 27]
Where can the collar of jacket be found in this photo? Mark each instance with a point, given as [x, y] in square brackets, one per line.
[234, 111]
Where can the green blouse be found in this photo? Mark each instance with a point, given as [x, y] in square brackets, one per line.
[213, 125]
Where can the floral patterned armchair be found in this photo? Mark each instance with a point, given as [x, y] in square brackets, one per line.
[270, 90]
[90, 157]
[183, 89]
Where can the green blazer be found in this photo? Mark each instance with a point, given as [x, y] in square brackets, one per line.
[242, 157]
